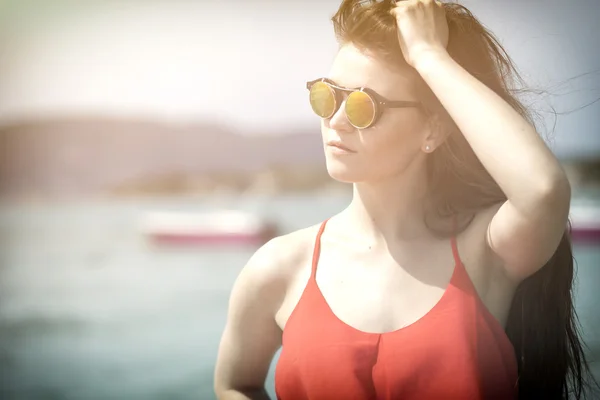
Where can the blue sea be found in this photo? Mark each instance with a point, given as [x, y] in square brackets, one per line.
[90, 310]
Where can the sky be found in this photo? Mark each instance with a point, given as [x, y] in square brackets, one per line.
[244, 63]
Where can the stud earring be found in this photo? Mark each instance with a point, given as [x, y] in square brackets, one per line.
[427, 148]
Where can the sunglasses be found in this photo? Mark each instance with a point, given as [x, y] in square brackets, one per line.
[363, 106]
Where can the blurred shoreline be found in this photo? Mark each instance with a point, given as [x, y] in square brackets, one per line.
[270, 182]
[92, 157]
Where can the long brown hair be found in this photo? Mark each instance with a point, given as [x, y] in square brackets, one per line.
[542, 324]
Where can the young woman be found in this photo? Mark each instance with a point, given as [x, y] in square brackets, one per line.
[449, 275]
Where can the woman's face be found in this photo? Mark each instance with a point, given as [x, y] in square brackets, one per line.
[385, 149]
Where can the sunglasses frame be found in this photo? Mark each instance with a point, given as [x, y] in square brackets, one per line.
[380, 103]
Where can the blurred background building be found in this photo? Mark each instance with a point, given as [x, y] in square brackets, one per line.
[110, 111]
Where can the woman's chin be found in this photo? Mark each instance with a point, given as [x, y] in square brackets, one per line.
[344, 174]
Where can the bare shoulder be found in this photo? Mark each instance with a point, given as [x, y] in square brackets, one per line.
[278, 259]
[251, 335]
[473, 242]
[265, 278]
[484, 268]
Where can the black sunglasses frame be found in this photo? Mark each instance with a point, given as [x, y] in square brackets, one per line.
[380, 103]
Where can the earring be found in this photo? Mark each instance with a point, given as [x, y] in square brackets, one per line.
[427, 148]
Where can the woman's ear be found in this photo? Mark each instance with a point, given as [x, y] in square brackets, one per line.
[440, 126]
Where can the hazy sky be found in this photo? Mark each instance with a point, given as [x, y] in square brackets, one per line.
[246, 62]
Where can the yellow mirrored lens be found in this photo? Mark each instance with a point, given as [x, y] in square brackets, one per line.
[360, 109]
[322, 99]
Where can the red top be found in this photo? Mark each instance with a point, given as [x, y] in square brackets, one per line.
[458, 350]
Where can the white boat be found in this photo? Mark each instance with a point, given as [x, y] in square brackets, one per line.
[238, 227]
[206, 228]
[585, 222]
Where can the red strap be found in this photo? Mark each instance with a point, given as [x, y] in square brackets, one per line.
[317, 250]
[453, 242]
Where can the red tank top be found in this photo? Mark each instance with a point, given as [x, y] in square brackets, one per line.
[458, 350]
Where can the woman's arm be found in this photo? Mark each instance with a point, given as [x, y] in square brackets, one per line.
[525, 231]
[251, 336]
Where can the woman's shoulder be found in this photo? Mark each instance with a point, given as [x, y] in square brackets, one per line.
[278, 260]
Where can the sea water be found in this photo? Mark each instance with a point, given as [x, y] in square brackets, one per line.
[90, 310]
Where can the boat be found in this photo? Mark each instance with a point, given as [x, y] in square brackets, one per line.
[585, 223]
[229, 227]
[219, 227]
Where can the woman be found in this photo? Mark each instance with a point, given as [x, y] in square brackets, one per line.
[449, 275]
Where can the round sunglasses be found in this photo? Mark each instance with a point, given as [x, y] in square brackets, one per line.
[363, 106]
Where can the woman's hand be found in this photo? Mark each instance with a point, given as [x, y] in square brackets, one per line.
[422, 28]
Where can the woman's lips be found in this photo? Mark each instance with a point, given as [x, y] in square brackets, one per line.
[338, 147]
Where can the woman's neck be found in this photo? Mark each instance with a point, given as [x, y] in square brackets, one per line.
[391, 209]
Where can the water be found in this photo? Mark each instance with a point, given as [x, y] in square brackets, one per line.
[89, 310]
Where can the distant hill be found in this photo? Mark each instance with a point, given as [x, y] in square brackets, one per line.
[115, 157]
[93, 155]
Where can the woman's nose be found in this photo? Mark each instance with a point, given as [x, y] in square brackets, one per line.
[339, 120]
